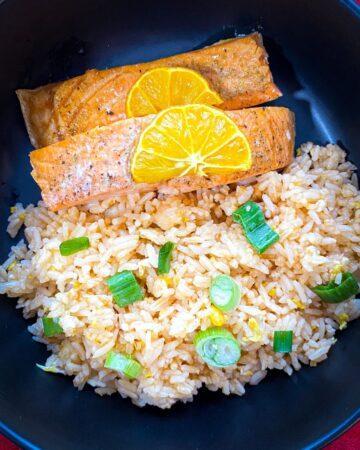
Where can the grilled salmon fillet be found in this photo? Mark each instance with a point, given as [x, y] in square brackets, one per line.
[237, 69]
[96, 164]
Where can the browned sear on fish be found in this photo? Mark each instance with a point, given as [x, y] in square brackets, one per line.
[96, 164]
[237, 69]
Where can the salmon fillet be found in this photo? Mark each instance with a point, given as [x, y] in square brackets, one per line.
[237, 69]
[96, 164]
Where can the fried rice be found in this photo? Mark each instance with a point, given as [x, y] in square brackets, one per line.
[313, 205]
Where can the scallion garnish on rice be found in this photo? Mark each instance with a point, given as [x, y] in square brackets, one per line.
[258, 233]
[217, 347]
[120, 362]
[224, 293]
[283, 341]
[125, 288]
[51, 326]
[75, 245]
[341, 288]
[165, 258]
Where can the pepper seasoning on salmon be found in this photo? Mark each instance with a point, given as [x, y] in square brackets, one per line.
[237, 69]
[96, 164]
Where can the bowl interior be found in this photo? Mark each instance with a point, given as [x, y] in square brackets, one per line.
[314, 52]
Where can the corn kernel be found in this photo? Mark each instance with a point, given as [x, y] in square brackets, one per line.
[272, 292]
[255, 328]
[337, 269]
[12, 209]
[343, 320]
[298, 152]
[22, 216]
[148, 374]
[217, 317]
[248, 373]
[11, 266]
[76, 284]
[298, 303]
[168, 280]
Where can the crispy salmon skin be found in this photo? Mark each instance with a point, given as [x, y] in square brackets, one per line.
[237, 69]
[96, 164]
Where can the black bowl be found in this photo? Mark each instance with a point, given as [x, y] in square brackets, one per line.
[314, 48]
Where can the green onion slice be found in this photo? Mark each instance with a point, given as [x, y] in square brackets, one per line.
[51, 326]
[258, 233]
[125, 288]
[217, 347]
[338, 290]
[283, 341]
[75, 245]
[165, 258]
[224, 293]
[123, 363]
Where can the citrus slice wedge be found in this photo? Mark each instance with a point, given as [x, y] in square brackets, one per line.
[163, 87]
[189, 140]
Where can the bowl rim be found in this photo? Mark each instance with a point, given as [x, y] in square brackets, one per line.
[321, 442]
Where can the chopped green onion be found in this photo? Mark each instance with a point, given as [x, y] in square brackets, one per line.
[123, 363]
[217, 347]
[258, 233]
[224, 293]
[51, 326]
[75, 245]
[283, 341]
[124, 288]
[165, 258]
[339, 289]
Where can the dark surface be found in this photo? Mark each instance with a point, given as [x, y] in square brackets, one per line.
[314, 51]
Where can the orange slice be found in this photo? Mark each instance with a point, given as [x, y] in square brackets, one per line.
[161, 88]
[189, 140]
